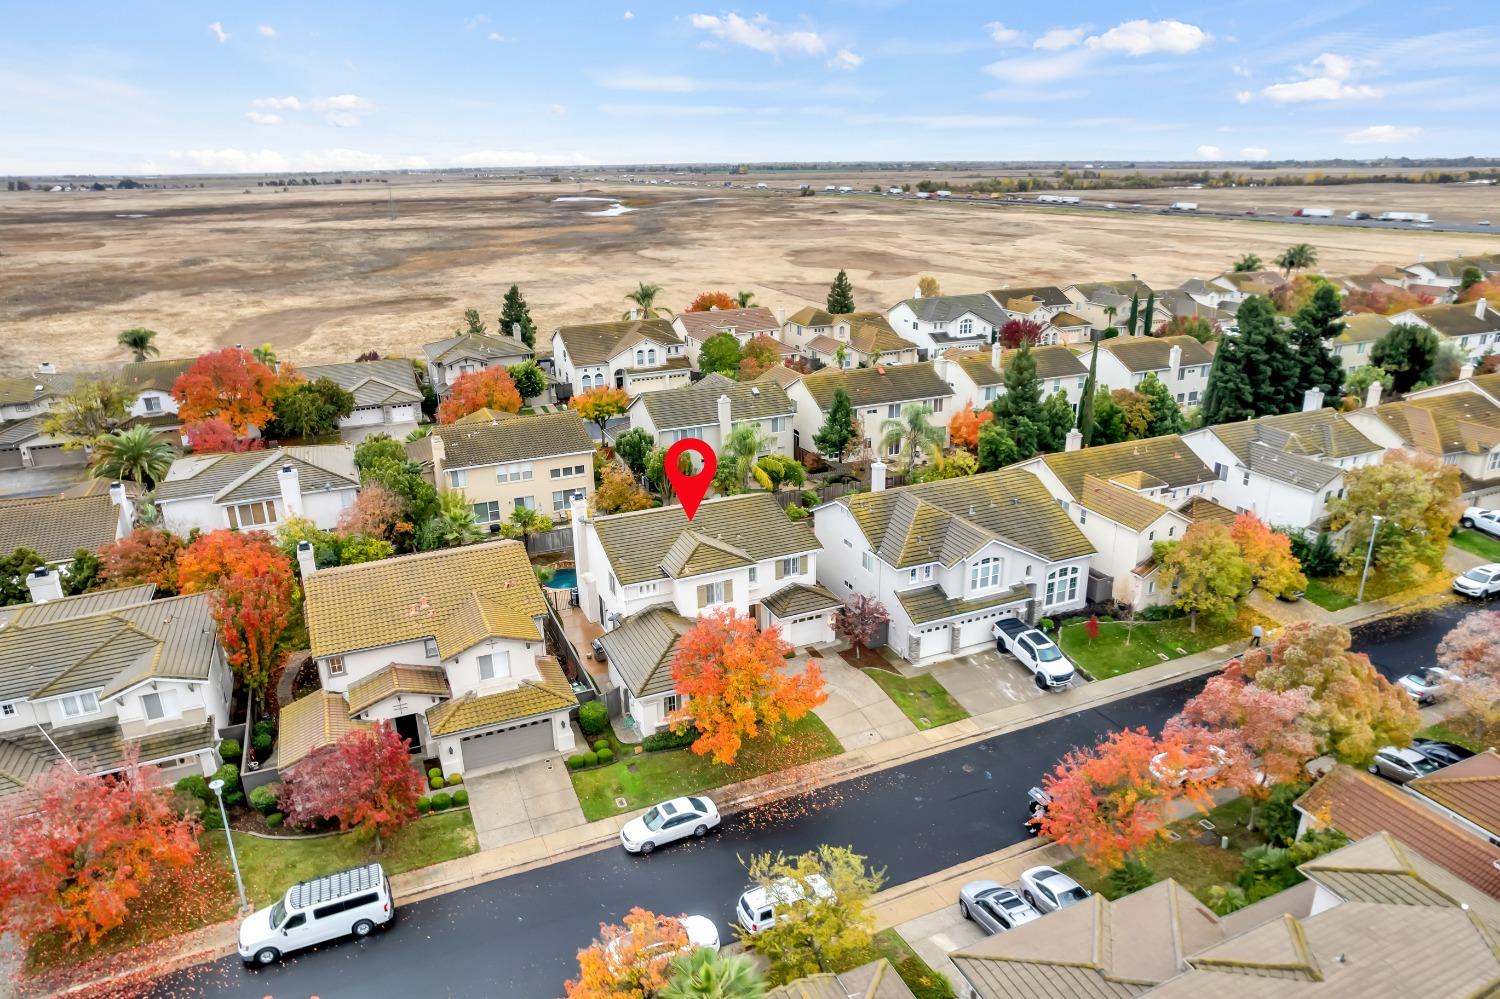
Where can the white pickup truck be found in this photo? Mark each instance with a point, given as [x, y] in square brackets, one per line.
[1034, 650]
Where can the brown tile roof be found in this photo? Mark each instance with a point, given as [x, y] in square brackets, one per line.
[310, 723]
[877, 980]
[159, 375]
[878, 386]
[798, 599]
[1161, 461]
[930, 603]
[811, 315]
[532, 697]
[487, 348]
[1153, 353]
[1459, 319]
[55, 528]
[596, 343]
[1202, 508]
[1363, 327]
[480, 443]
[1470, 788]
[1117, 503]
[752, 321]
[1046, 294]
[1488, 384]
[1438, 425]
[397, 678]
[1358, 805]
[781, 375]
[1066, 319]
[641, 649]
[871, 333]
[414, 596]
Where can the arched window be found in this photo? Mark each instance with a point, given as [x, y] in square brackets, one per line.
[640, 358]
[587, 382]
[651, 356]
[1062, 586]
[966, 327]
[984, 574]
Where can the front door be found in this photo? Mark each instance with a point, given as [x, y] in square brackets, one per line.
[406, 727]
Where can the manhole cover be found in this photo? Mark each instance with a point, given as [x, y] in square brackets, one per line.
[622, 803]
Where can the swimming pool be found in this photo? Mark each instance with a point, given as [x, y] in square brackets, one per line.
[563, 579]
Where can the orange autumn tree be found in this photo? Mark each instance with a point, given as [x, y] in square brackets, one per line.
[145, 555]
[963, 429]
[1487, 290]
[631, 960]
[218, 554]
[1268, 553]
[758, 356]
[600, 405]
[730, 673]
[490, 388]
[229, 385]
[253, 588]
[707, 300]
[1384, 300]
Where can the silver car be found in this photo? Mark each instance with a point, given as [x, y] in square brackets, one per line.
[994, 907]
[1401, 765]
[1049, 890]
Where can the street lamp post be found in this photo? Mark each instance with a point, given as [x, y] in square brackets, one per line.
[217, 786]
[1375, 523]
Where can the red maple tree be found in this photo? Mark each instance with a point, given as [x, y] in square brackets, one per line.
[89, 846]
[252, 612]
[731, 675]
[1018, 331]
[963, 429]
[629, 961]
[375, 513]
[145, 555]
[707, 300]
[218, 554]
[229, 385]
[214, 436]
[364, 781]
[1384, 300]
[489, 388]
[758, 356]
[859, 620]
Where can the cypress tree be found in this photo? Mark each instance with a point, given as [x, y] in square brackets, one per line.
[1265, 358]
[1135, 312]
[841, 295]
[1317, 323]
[1023, 392]
[515, 311]
[1146, 329]
[1054, 420]
[838, 432]
[1090, 386]
[1166, 418]
[1228, 397]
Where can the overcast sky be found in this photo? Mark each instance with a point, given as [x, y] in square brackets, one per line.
[148, 87]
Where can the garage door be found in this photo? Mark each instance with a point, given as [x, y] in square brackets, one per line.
[490, 748]
[54, 455]
[10, 458]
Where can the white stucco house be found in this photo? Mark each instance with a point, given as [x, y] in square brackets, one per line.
[977, 378]
[387, 397]
[1472, 327]
[22, 396]
[696, 328]
[847, 340]
[710, 408]
[465, 353]
[940, 323]
[258, 490]
[1460, 428]
[1179, 362]
[448, 646]
[637, 355]
[152, 382]
[877, 394]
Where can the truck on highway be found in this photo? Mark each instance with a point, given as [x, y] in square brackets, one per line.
[1404, 217]
[1313, 213]
[1034, 650]
[1057, 199]
[1183, 206]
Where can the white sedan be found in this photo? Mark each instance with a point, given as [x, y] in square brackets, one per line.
[669, 822]
[1048, 890]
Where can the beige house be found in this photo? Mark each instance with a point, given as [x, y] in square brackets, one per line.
[1361, 332]
[850, 340]
[501, 461]
[876, 394]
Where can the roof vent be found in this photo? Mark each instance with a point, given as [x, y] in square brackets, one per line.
[754, 390]
[1015, 501]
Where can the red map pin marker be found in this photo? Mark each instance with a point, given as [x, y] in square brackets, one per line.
[691, 487]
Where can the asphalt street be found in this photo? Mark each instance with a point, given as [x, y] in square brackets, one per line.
[517, 936]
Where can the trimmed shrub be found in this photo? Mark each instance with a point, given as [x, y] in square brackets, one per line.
[436, 773]
[575, 762]
[455, 779]
[230, 775]
[265, 727]
[274, 820]
[195, 785]
[809, 498]
[438, 783]
[590, 758]
[460, 798]
[606, 755]
[795, 512]
[1046, 624]
[211, 818]
[424, 804]
[667, 739]
[230, 750]
[234, 798]
[263, 799]
[263, 743]
[601, 744]
[442, 801]
[593, 717]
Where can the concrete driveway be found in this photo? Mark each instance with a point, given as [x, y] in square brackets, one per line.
[858, 711]
[517, 803]
[985, 681]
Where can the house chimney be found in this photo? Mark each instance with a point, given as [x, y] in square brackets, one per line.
[515, 331]
[1312, 400]
[45, 584]
[995, 352]
[306, 564]
[1466, 372]
[126, 520]
[46, 368]
[1372, 395]
[877, 476]
[291, 491]
[439, 459]
[1480, 305]
[635, 313]
[726, 422]
[917, 292]
[1074, 440]
[780, 314]
[1174, 361]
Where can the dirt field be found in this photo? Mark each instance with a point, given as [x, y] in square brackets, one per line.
[323, 274]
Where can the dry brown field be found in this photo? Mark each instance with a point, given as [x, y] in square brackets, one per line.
[323, 274]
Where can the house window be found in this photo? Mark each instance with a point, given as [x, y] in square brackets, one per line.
[611, 582]
[713, 593]
[1083, 515]
[752, 574]
[1181, 373]
[77, 705]
[152, 706]
[640, 358]
[937, 405]
[780, 423]
[153, 404]
[429, 648]
[794, 565]
[458, 478]
[1151, 536]
[567, 471]
[867, 559]
[8, 709]
[893, 449]
[989, 393]
[561, 500]
[335, 665]
[494, 664]
[1494, 462]
[252, 514]
[966, 327]
[487, 512]
[893, 411]
[670, 703]
[651, 356]
[984, 574]
[1245, 479]
[588, 382]
[1151, 586]
[911, 576]
[525, 503]
[1062, 586]
[518, 472]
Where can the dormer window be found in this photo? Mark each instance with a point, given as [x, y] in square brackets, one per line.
[78, 705]
[984, 574]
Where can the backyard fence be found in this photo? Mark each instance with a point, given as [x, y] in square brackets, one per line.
[546, 542]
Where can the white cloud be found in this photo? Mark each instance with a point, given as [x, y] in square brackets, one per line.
[495, 36]
[1059, 38]
[341, 102]
[476, 22]
[266, 31]
[263, 117]
[413, 162]
[676, 83]
[1382, 134]
[681, 110]
[1327, 79]
[278, 103]
[629, 15]
[557, 109]
[218, 29]
[1209, 152]
[1003, 35]
[1335, 66]
[1142, 37]
[341, 110]
[1034, 70]
[1240, 69]
[1243, 96]
[846, 60]
[1255, 152]
[1026, 95]
[235, 160]
[760, 34]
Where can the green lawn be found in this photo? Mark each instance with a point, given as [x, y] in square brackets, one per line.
[1441, 732]
[271, 866]
[643, 779]
[920, 698]
[1326, 596]
[919, 976]
[1477, 543]
[1150, 642]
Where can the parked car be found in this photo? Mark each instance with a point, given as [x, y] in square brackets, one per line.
[1401, 765]
[701, 932]
[1480, 581]
[1195, 775]
[1444, 754]
[1425, 687]
[994, 907]
[1048, 890]
[1034, 650]
[669, 822]
[757, 907]
[348, 903]
[1479, 519]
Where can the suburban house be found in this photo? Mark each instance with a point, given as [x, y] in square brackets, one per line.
[939, 323]
[387, 397]
[710, 408]
[258, 490]
[502, 462]
[637, 355]
[737, 552]
[1065, 327]
[1240, 285]
[31, 395]
[949, 558]
[152, 382]
[1038, 303]
[448, 646]
[1093, 300]
[1376, 919]
[878, 394]
[743, 324]
[55, 527]
[1449, 273]
[1466, 793]
[1180, 362]
[1284, 469]
[86, 680]
[978, 378]
[465, 353]
[1485, 386]
[1460, 428]
[849, 340]
[24, 444]
[1176, 302]
[640, 651]
[1472, 327]
[1355, 342]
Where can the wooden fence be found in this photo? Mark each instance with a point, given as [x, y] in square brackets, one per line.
[546, 542]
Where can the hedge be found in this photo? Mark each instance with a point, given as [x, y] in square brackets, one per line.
[424, 804]
[606, 755]
[601, 744]
[590, 758]
[593, 717]
[442, 801]
[667, 739]
[436, 773]
[460, 798]
[263, 798]
[230, 750]
[437, 783]
[575, 762]
[455, 779]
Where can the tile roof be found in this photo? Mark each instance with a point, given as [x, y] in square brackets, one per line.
[1319, 432]
[1202, 508]
[642, 647]
[23, 389]
[82, 605]
[1160, 461]
[753, 321]
[531, 697]
[310, 723]
[1116, 502]
[1153, 353]
[879, 385]
[697, 404]
[1009, 504]
[502, 439]
[13, 433]
[251, 475]
[1253, 282]
[159, 375]
[1047, 294]
[811, 315]
[781, 375]
[1066, 319]
[478, 617]
[693, 554]
[596, 343]
[55, 528]
[876, 980]
[799, 599]
[1459, 319]
[1437, 425]
[871, 333]
[94, 749]
[1055, 362]
[487, 347]
[1363, 327]
[1380, 868]
[949, 308]
[412, 597]
[976, 366]
[1488, 384]
[1294, 469]
[930, 603]
[637, 544]
[389, 381]
[1470, 788]
[1358, 805]
[397, 678]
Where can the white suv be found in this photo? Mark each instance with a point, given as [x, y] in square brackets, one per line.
[758, 906]
[352, 902]
[1479, 519]
[1480, 581]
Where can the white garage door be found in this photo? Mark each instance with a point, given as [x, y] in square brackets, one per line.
[55, 455]
[813, 629]
[975, 632]
[934, 641]
[490, 748]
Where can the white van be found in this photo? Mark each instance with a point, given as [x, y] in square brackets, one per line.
[757, 907]
[351, 902]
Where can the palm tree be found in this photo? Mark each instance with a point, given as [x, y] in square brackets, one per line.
[913, 432]
[1109, 315]
[745, 298]
[644, 298]
[138, 341]
[265, 354]
[711, 974]
[1249, 262]
[741, 448]
[137, 454]
[453, 524]
[1296, 258]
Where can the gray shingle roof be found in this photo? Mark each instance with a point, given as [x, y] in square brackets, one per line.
[55, 527]
[641, 649]
[596, 343]
[159, 375]
[92, 749]
[697, 405]
[1151, 353]
[485, 348]
[1459, 319]
[251, 475]
[930, 603]
[947, 308]
[514, 438]
[878, 386]
[1293, 469]
[389, 381]
[1049, 295]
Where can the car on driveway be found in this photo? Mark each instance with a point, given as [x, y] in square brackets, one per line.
[994, 907]
[1034, 650]
[1477, 518]
[1048, 890]
[1425, 687]
[1480, 581]
[1444, 754]
[1401, 765]
[668, 822]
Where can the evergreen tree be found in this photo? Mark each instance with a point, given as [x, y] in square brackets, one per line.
[1316, 324]
[841, 295]
[839, 432]
[1086, 404]
[1265, 357]
[1135, 314]
[1054, 421]
[514, 311]
[1166, 418]
[1407, 352]
[1146, 327]
[1228, 397]
[1023, 391]
[1109, 419]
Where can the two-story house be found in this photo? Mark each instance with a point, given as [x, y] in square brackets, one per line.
[387, 397]
[1240, 285]
[696, 328]
[1357, 340]
[152, 382]
[502, 462]
[978, 378]
[1107, 303]
[466, 353]
[848, 340]
[877, 394]
[637, 355]
[258, 490]
[87, 681]
[447, 646]
[710, 408]
[56, 527]
[1472, 327]
[1180, 362]
[1038, 303]
[1458, 428]
[940, 323]
[34, 394]
[1449, 272]
[949, 558]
